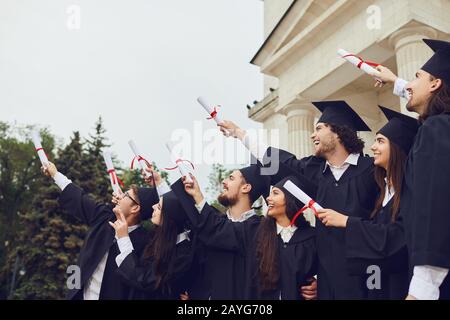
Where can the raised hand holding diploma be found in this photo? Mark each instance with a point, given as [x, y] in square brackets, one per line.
[115, 181]
[181, 164]
[331, 218]
[192, 188]
[303, 197]
[38, 146]
[143, 164]
[366, 66]
[211, 110]
[49, 169]
[153, 178]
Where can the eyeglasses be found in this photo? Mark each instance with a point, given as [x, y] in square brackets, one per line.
[126, 194]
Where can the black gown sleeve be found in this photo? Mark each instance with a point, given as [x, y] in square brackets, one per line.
[139, 275]
[274, 155]
[367, 239]
[430, 227]
[308, 262]
[78, 204]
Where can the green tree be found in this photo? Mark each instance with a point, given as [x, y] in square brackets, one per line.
[97, 184]
[49, 240]
[216, 176]
[19, 173]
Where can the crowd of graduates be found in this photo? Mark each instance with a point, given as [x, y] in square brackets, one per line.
[387, 213]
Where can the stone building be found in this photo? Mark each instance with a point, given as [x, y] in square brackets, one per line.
[300, 63]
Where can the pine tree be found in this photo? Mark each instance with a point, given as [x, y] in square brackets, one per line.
[19, 170]
[50, 240]
[97, 184]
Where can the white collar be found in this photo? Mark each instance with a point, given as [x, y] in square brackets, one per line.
[352, 159]
[246, 215]
[183, 236]
[291, 229]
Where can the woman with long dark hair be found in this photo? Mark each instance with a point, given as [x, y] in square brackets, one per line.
[377, 247]
[277, 252]
[163, 271]
[285, 247]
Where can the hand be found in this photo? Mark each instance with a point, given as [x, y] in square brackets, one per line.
[121, 226]
[331, 218]
[49, 169]
[310, 292]
[193, 189]
[152, 173]
[410, 297]
[386, 76]
[184, 296]
[116, 197]
[230, 129]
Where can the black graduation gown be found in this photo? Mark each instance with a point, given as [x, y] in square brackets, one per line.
[140, 274]
[99, 240]
[230, 258]
[379, 242]
[297, 263]
[200, 288]
[425, 198]
[354, 195]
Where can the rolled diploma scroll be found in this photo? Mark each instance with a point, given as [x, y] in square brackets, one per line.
[356, 61]
[37, 144]
[182, 166]
[137, 154]
[111, 171]
[299, 194]
[210, 110]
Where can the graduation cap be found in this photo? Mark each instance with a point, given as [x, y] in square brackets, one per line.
[339, 113]
[173, 210]
[439, 64]
[147, 198]
[260, 183]
[401, 129]
[284, 174]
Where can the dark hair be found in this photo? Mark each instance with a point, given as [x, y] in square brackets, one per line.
[348, 137]
[267, 244]
[395, 172]
[439, 102]
[161, 249]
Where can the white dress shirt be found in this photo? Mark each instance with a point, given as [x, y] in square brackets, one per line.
[94, 283]
[286, 233]
[388, 193]
[338, 171]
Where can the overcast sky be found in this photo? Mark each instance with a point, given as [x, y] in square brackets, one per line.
[140, 64]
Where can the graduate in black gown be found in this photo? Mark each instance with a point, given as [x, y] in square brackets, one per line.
[345, 182]
[286, 255]
[272, 258]
[381, 241]
[99, 278]
[230, 262]
[164, 270]
[425, 195]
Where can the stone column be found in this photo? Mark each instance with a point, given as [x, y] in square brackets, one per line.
[300, 121]
[411, 52]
